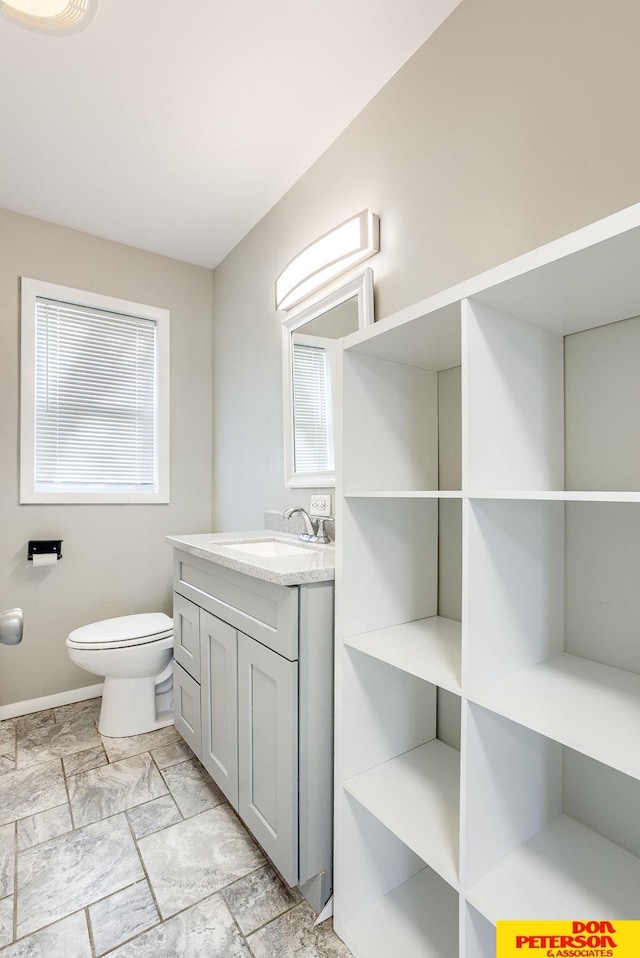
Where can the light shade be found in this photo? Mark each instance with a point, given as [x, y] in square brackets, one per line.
[337, 251]
[50, 16]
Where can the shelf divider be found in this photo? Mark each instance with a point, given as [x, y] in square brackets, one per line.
[584, 705]
[564, 871]
[427, 648]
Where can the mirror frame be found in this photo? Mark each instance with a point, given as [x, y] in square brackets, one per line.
[361, 287]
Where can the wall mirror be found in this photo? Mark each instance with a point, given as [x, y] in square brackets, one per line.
[311, 340]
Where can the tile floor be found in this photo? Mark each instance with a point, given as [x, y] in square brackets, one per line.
[126, 848]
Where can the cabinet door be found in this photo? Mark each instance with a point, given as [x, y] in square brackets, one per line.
[186, 707]
[268, 751]
[219, 670]
[186, 635]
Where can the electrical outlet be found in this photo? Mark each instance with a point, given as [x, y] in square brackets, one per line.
[320, 506]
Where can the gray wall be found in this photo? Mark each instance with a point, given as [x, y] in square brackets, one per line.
[115, 559]
[514, 124]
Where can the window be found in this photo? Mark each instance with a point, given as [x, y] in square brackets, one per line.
[95, 398]
[312, 412]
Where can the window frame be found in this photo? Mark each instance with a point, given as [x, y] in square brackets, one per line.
[31, 289]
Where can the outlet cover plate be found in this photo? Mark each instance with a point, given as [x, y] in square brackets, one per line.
[320, 506]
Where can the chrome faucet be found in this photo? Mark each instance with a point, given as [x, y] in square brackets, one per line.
[312, 532]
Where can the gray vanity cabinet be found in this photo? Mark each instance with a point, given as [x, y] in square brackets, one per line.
[219, 671]
[261, 674]
[268, 750]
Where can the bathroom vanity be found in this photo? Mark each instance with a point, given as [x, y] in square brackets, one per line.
[253, 688]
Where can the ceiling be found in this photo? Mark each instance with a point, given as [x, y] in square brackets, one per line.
[175, 127]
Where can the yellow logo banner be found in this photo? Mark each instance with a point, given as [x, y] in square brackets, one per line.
[568, 939]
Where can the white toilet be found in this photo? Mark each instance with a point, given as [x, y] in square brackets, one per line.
[135, 655]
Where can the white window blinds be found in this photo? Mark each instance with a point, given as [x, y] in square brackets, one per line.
[312, 412]
[95, 403]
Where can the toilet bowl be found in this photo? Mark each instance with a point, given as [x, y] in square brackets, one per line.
[134, 653]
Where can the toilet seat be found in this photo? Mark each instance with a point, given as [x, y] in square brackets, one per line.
[123, 632]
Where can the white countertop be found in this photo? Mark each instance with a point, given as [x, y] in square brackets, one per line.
[317, 566]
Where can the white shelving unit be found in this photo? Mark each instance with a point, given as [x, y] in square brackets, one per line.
[488, 605]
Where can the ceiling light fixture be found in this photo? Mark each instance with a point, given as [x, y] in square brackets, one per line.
[50, 16]
[338, 250]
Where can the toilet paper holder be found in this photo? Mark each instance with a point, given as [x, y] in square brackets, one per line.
[44, 547]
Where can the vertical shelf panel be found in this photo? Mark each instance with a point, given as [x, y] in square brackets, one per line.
[512, 785]
[515, 593]
[514, 402]
[602, 397]
[479, 934]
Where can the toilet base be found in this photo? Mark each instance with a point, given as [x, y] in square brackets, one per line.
[129, 708]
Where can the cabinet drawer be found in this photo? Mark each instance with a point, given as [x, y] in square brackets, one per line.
[266, 612]
[186, 635]
[186, 707]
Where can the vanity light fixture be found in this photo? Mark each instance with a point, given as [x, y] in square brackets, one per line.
[345, 246]
[50, 16]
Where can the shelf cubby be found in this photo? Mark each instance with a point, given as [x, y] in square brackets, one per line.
[402, 415]
[416, 795]
[403, 560]
[552, 619]
[549, 412]
[394, 903]
[548, 833]
[418, 919]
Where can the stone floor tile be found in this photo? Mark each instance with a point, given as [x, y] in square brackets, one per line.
[65, 939]
[43, 826]
[33, 720]
[7, 737]
[190, 860]
[205, 931]
[84, 761]
[46, 742]
[294, 934]
[122, 916]
[118, 748]
[28, 791]
[172, 754]
[103, 792]
[6, 921]
[7, 859]
[192, 787]
[151, 817]
[89, 709]
[64, 874]
[7, 763]
[257, 899]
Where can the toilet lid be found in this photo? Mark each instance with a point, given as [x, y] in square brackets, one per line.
[125, 630]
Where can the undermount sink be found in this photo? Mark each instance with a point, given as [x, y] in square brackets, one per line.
[269, 548]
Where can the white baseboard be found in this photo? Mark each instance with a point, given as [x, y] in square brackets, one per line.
[50, 701]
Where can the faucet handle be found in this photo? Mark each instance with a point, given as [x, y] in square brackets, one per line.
[321, 534]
